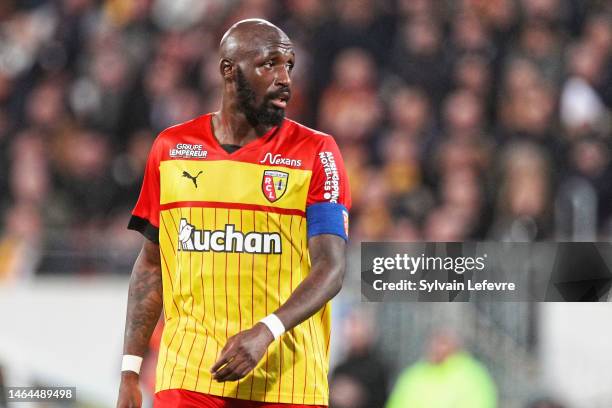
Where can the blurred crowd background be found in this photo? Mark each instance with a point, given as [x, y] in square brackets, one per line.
[457, 120]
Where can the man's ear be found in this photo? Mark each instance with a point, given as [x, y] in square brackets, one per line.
[226, 67]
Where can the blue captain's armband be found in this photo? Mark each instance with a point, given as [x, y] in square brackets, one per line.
[327, 218]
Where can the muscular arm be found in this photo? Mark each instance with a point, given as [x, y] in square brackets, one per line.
[144, 308]
[244, 350]
[328, 257]
[144, 300]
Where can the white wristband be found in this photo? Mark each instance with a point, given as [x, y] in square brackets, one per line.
[274, 324]
[131, 363]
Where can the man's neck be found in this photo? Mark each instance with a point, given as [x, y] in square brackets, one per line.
[231, 127]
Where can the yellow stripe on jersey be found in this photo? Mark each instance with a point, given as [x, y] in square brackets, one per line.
[230, 182]
[210, 296]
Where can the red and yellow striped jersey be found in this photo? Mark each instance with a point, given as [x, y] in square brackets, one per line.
[233, 233]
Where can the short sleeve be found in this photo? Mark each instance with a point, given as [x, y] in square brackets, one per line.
[329, 197]
[145, 216]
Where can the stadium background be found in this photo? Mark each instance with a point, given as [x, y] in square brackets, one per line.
[458, 120]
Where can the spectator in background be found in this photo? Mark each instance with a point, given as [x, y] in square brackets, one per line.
[550, 11]
[598, 34]
[360, 380]
[582, 108]
[410, 113]
[523, 203]
[449, 377]
[401, 169]
[443, 224]
[20, 243]
[469, 37]
[408, 137]
[462, 197]
[22, 238]
[362, 24]
[472, 73]
[375, 217]
[539, 43]
[590, 159]
[350, 108]
[419, 57]
[463, 116]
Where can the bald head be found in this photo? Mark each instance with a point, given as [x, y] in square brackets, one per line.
[249, 36]
[256, 63]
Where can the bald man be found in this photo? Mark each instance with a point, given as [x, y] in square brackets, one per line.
[245, 219]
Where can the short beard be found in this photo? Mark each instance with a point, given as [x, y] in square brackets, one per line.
[264, 114]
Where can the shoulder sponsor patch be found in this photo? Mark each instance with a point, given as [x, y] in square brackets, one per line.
[332, 179]
[187, 151]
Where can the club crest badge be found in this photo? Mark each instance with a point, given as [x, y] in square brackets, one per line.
[274, 184]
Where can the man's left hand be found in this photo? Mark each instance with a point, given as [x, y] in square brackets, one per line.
[241, 353]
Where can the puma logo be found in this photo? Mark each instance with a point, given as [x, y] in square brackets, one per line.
[193, 178]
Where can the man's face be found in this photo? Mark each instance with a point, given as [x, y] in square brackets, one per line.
[263, 83]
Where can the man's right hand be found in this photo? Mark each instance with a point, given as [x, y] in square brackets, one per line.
[130, 395]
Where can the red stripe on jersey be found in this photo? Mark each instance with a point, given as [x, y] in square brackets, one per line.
[180, 273]
[173, 301]
[267, 256]
[214, 312]
[232, 206]
[319, 353]
[302, 250]
[280, 344]
[252, 301]
[239, 306]
[203, 312]
[226, 307]
[168, 270]
[291, 289]
[314, 355]
[191, 313]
